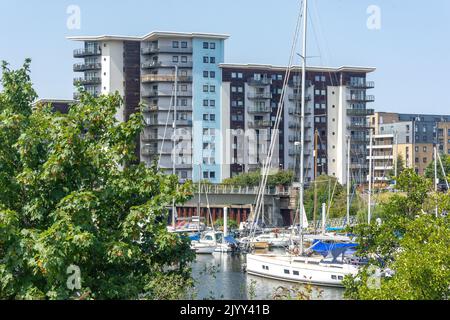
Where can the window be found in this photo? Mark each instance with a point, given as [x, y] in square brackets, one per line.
[183, 59]
[175, 59]
[205, 59]
[340, 278]
[205, 103]
[212, 45]
[425, 160]
[175, 44]
[424, 149]
[240, 75]
[212, 175]
[205, 74]
[280, 77]
[212, 60]
[205, 88]
[287, 272]
[233, 75]
[417, 149]
[334, 277]
[212, 89]
[233, 89]
[212, 103]
[296, 273]
[212, 74]
[183, 87]
[317, 78]
[212, 117]
[205, 45]
[183, 44]
[205, 117]
[205, 175]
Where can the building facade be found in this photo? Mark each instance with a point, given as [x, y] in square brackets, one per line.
[145, 70]
[336, 109]
[415, 136]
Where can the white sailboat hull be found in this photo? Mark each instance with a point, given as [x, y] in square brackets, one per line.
[203, 248]
[291, 269]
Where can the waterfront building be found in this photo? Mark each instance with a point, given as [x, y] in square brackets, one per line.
[415, 136]
[336, 108]
[142, 70]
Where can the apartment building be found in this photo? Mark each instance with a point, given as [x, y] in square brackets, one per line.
[415, 136]
[177, 78]
[336, 109]
[444, 137]
[383, 157]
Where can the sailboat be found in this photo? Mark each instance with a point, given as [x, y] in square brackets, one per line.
[300, 266]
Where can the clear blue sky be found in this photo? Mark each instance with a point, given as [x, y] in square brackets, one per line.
[411, 50]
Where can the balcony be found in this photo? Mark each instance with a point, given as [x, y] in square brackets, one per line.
[151, 64]
[259, 82]
[360, 112]
[359, 127]
[298, 83]
[87, 81]
[360, 98]
[150, 108]
[256, 109]
[164, 49]
[260, 124]
[260, 96]
[81, 67]
[148, 78]
[156, 93]
[361, 85]
[160, 64]
[296, 125]
[82, 53]
[297, 151]
[149, 150]
[150, 137]
[298, 112]
[298, 97]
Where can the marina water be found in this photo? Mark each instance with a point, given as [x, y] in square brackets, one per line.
[222, 277]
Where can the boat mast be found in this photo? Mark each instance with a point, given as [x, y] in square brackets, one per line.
[316, 158]
[302, 124]
[174, 169]
[199, 206]
[348, 179]
[436, 179]
[370, 177]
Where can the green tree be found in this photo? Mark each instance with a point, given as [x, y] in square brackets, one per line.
[400, 164]
[410, 241]
[429, 172]
[253, 179]
[71, 196]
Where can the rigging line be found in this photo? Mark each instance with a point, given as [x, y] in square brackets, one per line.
[325, 41]
[267, 164]
[166, 126]
[209, 207]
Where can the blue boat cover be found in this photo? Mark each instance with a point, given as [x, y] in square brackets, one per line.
[231, 240]
[334, 248]
[195, 237]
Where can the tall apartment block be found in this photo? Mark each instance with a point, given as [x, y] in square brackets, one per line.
[142, 69]
[336, 109]
[414, 137]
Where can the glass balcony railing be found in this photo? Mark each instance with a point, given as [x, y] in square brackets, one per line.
[87, 81]
[260, 96]
[164, 49]
[86, 52]
[81, 67]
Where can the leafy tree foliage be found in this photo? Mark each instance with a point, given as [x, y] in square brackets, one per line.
[429, 172]
[253, 179]
[72, 197]
[411, 242]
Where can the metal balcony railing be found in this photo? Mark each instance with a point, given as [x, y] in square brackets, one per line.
[360, 98]
[87, 81]
[156, 93]
[151, 64]
[164, 78]
[259, 82]
[360, 112]
[81, 67]
[259, 109]
[298, 97]
[259, 96]
[164, 49]
[260, 124]
[86, 52]
[361, 85]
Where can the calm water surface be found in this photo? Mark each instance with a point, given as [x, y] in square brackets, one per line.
[220, 276]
